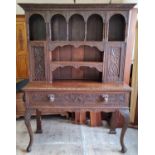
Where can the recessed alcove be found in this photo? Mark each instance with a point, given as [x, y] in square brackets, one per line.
[76, 28]
[37, 27]
[81, 73]
[58, 27]
[82, 53]
[95, 28]
[116, 28]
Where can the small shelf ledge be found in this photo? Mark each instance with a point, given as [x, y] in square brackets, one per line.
[76, 64]
[100, 45]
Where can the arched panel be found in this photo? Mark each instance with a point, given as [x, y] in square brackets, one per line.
[58, 27]
[116, 28]
[76, 28]
[37, 27]
[95, 28]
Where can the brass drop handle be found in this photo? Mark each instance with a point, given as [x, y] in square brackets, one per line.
[51, 97]
[105, 97]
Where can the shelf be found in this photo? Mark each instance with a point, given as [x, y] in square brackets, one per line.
[98, 44]
[77, 64]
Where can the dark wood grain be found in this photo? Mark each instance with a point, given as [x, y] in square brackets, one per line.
[59, 28]
[76, 66]
[95, 28]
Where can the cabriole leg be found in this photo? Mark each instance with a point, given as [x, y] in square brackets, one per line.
[125, 114]
[28, 114]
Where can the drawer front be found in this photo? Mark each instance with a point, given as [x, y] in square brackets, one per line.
[77, 99]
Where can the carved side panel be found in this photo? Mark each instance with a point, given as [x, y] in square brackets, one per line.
[115, 63]
[38, 63]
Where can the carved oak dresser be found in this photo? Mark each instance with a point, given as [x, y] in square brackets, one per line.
[77, 55]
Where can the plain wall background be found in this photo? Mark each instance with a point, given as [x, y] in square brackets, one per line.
[20, 11]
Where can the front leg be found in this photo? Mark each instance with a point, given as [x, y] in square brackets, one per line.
[125, 114]
[27, 117]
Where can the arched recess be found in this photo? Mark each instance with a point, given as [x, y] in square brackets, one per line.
[76, 28]
[116, 28]
[95, 28]
[59, 27]
[37, 27]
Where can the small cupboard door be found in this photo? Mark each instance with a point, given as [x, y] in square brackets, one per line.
[37, 61]
[21, 48]
[115, 57]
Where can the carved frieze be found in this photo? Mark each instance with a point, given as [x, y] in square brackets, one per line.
[97, 66]
[99, 45]
[76, 99]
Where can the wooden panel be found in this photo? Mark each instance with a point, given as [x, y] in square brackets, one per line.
[116, 28]
[130, 44]
[80, 117]
[92, 54]
[21, 48]
[20, 109]
[37, 27]
[115, 58]
[38, 66]
[59, 28]
[134, 85]
[77, 55]
[21, 66]
[95, 28]
[95, 119]
[76, 28]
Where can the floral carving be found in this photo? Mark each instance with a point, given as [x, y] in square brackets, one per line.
[76, 99]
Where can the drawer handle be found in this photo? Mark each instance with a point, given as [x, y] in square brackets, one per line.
[105, 98]
[51, 97]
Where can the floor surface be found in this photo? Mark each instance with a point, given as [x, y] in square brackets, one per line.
[62, 137]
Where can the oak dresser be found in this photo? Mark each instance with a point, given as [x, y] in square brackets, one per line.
[78, 60]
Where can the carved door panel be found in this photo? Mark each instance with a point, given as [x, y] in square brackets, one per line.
[114, 70]
[21, 48]
[37, 56]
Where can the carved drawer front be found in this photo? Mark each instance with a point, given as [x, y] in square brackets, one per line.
[77, 99]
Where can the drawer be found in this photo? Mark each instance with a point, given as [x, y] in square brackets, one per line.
[77, 99]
